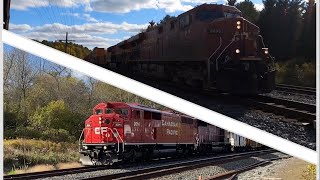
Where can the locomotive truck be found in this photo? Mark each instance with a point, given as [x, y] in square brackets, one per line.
[118, 131]
[208, 46]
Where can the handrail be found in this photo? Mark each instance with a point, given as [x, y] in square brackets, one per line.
[264, 46]
[120, 139]
[115, 137]
[80, 139]
[208, 61]
[217, 68]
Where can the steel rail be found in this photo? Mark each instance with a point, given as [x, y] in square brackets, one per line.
[232, 175]
[296, 89]
[61, 172]
[179, 167]
[303, 112]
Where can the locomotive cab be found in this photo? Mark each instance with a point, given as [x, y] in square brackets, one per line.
[103, 134]
[238, 62]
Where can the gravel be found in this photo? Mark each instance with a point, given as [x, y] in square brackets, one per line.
[277, 125]
[121, 170]
[208, 171]
[308, 99]
[193, 174]
[264, 172]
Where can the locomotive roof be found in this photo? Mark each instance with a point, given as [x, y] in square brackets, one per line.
[224, 7]
[138, 106]
[132, 105]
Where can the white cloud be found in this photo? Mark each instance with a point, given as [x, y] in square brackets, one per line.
[26, 4]
[89, 18]
[125, 6]
[88, 34]
[259, 7]
[171, 6]
[112, 6]
[71, 14]
[20, 27]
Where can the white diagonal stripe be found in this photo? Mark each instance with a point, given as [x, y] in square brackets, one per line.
[160, 97]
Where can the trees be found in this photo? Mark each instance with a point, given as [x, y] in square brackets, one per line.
[307, 46]
[280, 24]
[46, 101]
[248, 10]
[231, 2]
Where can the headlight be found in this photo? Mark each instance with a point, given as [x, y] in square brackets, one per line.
[238, 26]
[88, 125]
[237, 51]
[85, 147]
[266, 51]
[238, 22]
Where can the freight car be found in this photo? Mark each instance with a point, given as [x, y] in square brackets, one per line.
[128, 131]
[208, 46]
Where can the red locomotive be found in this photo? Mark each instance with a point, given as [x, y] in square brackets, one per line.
[127, 131]
[208, 46]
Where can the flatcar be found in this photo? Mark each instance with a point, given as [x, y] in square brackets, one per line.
[208, 46]
[118, 131]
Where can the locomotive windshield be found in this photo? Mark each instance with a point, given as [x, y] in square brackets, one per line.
[208, 15]
[108, 111]
[99, 111]
[231, 14]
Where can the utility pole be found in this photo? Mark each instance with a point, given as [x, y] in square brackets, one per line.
[6, 14]
[66, 42]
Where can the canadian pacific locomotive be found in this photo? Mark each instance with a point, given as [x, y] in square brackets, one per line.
[127, 131]
[208, 46]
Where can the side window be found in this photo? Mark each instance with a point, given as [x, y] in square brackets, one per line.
[122, 111]
[185, 21]
[147, 115]
[156, 116]
[172, 25]
[160, 29]
[136, 114]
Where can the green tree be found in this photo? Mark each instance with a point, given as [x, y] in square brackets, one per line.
[56, 116]
[307, 46]
[231, 2]
[248, 10]
[280, 24]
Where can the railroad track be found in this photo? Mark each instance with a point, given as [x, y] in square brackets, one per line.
[233, 174]
[160, 170]
[302, 112]
[52, 173]
[296, 89]
[293, 111]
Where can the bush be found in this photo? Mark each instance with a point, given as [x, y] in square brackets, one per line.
[21, 153]
[28, 132]
[296, 73]
[310, 173]
[57, 135]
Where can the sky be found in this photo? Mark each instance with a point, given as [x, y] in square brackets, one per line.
[94, 23]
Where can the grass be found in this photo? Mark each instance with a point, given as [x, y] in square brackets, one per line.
[29, 155]
[310, 173]
[296, 72]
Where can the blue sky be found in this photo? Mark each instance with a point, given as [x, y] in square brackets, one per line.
[94, 23]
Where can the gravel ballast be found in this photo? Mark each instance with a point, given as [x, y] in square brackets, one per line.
[277, 125]
[193, 174]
